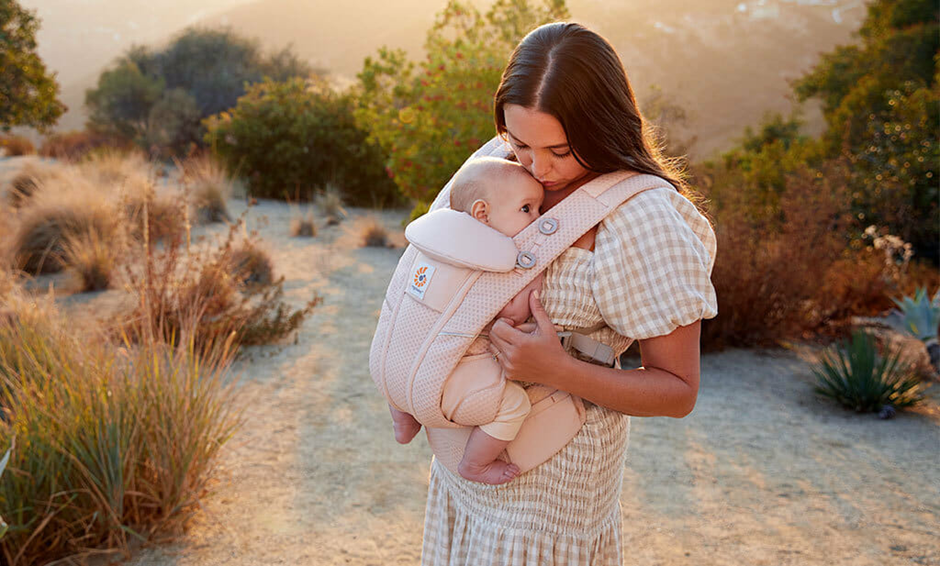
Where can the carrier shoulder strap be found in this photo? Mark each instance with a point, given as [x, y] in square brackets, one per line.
[538, 244]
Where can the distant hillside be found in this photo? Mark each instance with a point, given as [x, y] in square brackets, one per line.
[726, 65]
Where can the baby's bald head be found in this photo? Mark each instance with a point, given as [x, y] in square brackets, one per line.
[479, 179]
[497, 192]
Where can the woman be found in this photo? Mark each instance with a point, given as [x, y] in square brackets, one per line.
[568, 114]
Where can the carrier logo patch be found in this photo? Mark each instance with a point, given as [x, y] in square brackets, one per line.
[421, 280]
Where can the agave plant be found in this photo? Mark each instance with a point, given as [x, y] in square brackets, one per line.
[858, 377]
[921, 317]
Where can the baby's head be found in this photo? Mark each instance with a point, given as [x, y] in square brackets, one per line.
[497, 192]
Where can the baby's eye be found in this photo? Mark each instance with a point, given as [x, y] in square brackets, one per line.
[525, 208]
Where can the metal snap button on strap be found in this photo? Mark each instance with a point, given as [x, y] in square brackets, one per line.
[548, 226]
[525, 260]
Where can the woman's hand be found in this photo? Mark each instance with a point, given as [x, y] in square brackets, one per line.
[530, 352]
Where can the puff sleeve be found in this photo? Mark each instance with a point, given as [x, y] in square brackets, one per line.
[653, 262]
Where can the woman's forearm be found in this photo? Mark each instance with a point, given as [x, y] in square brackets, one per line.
[642, 392]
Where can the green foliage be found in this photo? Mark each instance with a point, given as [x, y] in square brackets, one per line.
[882, 105]
[121, 103]
[289, 138]
[756, 171]
[172, 124]
[428, 117]
[921, 314]
[28, 93]
[856, 376]
[158, 98]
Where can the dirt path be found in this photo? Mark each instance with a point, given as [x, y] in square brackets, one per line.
[762, 472]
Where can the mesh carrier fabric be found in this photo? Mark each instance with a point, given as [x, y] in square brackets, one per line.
[415, 348]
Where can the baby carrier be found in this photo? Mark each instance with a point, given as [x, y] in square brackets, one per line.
[454, 277]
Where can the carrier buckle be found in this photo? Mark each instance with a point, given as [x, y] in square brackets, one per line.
[548, 226]
[525, 260]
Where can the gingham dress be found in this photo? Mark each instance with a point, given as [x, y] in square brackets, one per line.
[648, 274]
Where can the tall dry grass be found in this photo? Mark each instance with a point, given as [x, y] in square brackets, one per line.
[330, 202]
[75, 145]
[302, 225]
[208, 285]
[112, 443]
[373, 233]
[208, 187]
[30, 179]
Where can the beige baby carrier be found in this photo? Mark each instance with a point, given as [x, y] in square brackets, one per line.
[446, 289]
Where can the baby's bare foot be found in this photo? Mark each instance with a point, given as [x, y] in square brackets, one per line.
[405, 428]
[493, 473]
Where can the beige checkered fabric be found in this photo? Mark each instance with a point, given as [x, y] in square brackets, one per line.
[564, 512]
[648, 274]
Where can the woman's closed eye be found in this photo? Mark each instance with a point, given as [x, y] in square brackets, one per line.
[558, 155]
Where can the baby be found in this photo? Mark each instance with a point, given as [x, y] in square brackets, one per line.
[503, 195]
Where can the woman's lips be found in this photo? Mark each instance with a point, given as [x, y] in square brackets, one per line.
[547, 183]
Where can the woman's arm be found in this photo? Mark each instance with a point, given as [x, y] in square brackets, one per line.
[666, 385]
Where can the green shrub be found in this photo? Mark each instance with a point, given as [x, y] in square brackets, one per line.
[288, 137]
[429, 118]
[857, 377]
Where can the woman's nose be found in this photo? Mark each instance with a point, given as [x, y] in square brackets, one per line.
[540, 167]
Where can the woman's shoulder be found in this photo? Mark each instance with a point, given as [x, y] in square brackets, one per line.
[655, 209]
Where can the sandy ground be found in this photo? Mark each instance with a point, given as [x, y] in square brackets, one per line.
[761, 473]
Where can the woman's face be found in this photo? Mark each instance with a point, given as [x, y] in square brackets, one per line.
[541, 146]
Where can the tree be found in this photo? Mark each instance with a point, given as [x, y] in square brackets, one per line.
[204, 70]
[28, 93]
[121, 102]
[881, 101]
[429, 116]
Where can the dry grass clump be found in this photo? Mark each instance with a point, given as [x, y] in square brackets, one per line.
[114, 170]
[91, 470]
[302, 225]
[251, 265]
[208, 186]
[330, 203]
[92, 257]
[30, 179]
[204, 286]
[13, 146]
[38, 243]
[166, 213]
[373, 232]
[8, 222]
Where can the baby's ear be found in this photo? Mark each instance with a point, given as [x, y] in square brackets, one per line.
[480, 210]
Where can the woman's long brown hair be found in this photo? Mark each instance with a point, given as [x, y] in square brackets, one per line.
[574, 74]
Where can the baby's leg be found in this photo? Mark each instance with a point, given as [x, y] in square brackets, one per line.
[479, 460]
[405, 425]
